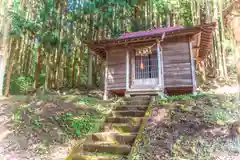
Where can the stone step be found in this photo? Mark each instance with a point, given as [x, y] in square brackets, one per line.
[95, 157]
[107, 147]
[135, 102]
[132, 107]
[130, 120]
[120, 127]
[118, 138]
[128, 113]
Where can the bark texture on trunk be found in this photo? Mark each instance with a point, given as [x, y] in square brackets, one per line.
[37, 69]
[9, 69]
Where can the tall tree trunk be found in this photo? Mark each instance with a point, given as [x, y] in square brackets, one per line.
[222, 45]
[69, 65]
[27, 51]
[90, 56]
[168, 18]
[216, 39]
[4, 46]
[58, 70]
[81, 54]
[73, 68]
[28, 59]
[90, 69]
[13, 50]
[37, 68]
[198, 12]
[47, 74]
[21, 56]
[95, 70]
[79, 73]
[60, 48]
[102, 74]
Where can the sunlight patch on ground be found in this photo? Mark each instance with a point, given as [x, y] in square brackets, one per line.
[226, 89]
[59, 152]
[5, 132]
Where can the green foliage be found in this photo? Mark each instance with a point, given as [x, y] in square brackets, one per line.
[20, 84]
[42, 78]
[62, 29]
[76, 126]
[36, 123]
[168, 99]
[17, 116]
[17, 113]
[185, 12]
[87, 100]
[218, 115]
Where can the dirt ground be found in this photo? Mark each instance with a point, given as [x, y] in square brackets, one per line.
[28, 131]
[16, 145]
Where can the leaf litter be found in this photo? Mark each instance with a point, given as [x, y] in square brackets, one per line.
[190, 127]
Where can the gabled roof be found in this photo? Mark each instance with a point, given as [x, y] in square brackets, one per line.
[202, 40]
[148, 32]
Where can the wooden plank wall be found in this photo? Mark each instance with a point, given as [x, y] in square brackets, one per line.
[176, 64]
[116, 69]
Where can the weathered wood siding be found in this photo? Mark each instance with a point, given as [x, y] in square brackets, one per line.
[176, 64]
[116, 69]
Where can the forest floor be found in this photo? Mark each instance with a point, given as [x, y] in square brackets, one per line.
[186, 127]
[46, 127]
[189, 127]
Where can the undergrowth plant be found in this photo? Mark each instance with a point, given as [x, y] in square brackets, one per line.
[167, 99]
[76, 126]
[218, 115]
[36, 123]
[88, 100]
[17, 113]
[20, 84]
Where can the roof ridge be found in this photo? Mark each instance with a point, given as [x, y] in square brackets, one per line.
[143, 32]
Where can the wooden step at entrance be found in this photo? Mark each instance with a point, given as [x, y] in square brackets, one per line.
[130, 120]
[140, 92]
[132, 107]
[118, 138]
[120, 127]
[147, 98]
[107, 147]
[128, 113]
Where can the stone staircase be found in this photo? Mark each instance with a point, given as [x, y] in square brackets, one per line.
[118, 133]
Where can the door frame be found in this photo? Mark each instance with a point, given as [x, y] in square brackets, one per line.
[144, 83]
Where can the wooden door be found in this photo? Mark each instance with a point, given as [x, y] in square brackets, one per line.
[146, 77]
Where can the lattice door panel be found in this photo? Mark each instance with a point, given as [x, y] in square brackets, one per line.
[150, 66]
[148, 75]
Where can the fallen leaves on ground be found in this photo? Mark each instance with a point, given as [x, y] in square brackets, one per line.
[198, 127]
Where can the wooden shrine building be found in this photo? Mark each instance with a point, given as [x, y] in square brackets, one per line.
[156, 61]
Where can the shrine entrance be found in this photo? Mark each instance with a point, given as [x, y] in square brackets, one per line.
[145, 69]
